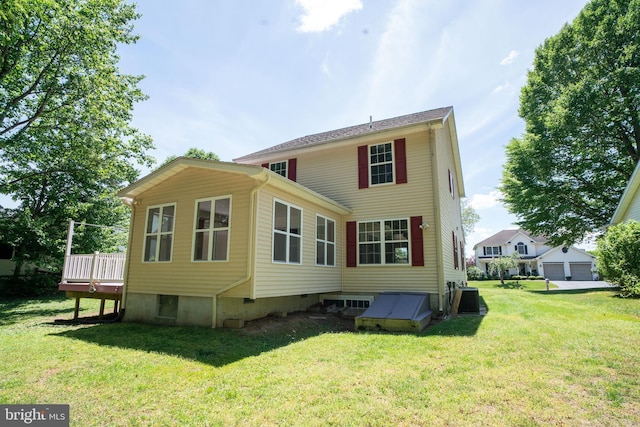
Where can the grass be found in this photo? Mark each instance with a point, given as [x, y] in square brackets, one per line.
[536, 358]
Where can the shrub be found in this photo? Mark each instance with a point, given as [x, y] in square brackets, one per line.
[29, 285]
[474, 273]
[619, 257]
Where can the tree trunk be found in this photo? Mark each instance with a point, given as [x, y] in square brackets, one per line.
[17, 269]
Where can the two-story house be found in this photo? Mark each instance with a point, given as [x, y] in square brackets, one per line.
[535, 257]
[339, 216]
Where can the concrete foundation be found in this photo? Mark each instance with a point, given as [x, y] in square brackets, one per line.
[198, 311]
[239, 308]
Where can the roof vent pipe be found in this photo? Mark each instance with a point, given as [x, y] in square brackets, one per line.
[370, 122]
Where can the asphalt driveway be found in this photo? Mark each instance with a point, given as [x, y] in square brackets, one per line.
[577, 284]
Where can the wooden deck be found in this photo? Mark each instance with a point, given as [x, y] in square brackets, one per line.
[103, 292]
[96, 276]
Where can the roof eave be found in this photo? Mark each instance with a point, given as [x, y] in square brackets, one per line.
[627, 196]
[129, 194]
[179, 164]
[435, 123]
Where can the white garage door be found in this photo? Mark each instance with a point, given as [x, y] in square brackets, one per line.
[553, 270]
[580, 271]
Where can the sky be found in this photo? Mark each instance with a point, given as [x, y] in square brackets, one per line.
[235, 77]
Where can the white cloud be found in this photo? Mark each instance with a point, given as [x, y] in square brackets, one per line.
[510, 58]
[322, 15]
[325, 65]
[485, 201]
[502, 87]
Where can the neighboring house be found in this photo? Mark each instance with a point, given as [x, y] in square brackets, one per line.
[8, 264]
[629, 205]
[6, 260]
[535, 257]
[339, 216]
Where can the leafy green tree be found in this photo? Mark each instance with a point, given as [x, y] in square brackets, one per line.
[619, 257]
[502, 264]
[581, 104]
[195, 153]
[65, 110]
[469, 218]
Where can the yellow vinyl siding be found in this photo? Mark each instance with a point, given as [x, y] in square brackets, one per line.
[182, 276]
[633, 212]
[450, 216]
[279, 279]
[333, 171]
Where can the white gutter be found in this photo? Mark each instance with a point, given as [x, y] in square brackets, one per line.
[250, 249]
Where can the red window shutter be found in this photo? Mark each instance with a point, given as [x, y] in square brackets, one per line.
[455, 250]
[463, 262]
[292, 169]
[352, 244]
[265, 165]
[363, 166]
[417, 245]
[400, 153]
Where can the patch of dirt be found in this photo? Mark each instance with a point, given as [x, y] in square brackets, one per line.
[300, 322]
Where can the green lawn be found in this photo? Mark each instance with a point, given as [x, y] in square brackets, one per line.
[536, 358]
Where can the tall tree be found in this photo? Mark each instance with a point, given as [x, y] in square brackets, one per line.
[196, 153]
[581, 104]
[65, 109]
[469, 218]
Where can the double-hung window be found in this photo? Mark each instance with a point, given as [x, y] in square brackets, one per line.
[384, 163]
[383, 242]
[279, 168]
[158, 237]
[287, 233]
[325, 241]
[521, 248]
[211, 234]
[381, 163]
[492, 250]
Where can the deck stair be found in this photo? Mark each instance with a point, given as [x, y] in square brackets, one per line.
[397, 311]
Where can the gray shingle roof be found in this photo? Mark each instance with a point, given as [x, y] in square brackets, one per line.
[438, 114]
[504, 236]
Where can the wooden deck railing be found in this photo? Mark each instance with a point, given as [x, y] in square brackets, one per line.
[104, 268]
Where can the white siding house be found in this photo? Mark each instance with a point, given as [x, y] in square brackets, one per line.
[536, 258]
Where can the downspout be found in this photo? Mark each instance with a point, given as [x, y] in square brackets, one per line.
[250, 250]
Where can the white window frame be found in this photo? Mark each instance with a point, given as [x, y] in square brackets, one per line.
[452, 187]
[211, 230]
[159, 233]
[522, 245]
[325, 241]
[287, 233]
[493, 252]
[283, 166]
[391, 162]
[383, 242]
